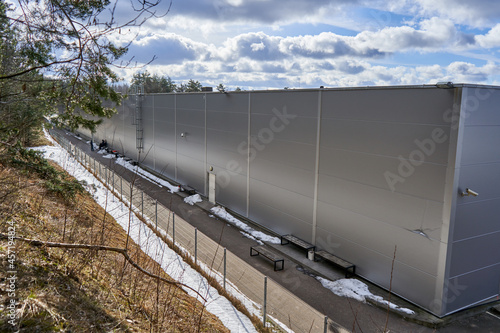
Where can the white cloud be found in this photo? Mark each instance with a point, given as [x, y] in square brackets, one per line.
[266, 44]
[257, 46]
[326, 45]
[260, 11]
[477, 13]
[167, 48]
[466, 72]
[491, 39]
[434, 34]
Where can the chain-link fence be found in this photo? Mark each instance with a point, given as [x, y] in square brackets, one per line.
[275, 302]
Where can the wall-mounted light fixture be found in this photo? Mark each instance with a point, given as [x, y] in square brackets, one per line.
[183, 134]
[444, 85]
[468, 192]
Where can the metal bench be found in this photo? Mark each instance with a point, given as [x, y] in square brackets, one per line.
[188, 189]
[297, 241]
[260, 249]
[350, 269]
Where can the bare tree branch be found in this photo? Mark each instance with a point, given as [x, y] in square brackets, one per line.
[124, 252]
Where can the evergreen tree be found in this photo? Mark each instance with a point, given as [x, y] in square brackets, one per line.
[61, 48]
[152, 84]
[193, 86]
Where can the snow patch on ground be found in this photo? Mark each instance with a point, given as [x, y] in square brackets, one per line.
[358, 290]
[151, 244]
[94, 145]
[193, 199]
[247, 235]
[147, 175]
[222, 213]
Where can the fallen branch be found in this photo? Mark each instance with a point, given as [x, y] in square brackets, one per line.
[38, 243]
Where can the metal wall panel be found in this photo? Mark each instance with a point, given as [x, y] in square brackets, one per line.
[282, 160]
[420, 214]
[158, 113]
[378, 267]
[482, 178]
[281, 221]
[231, 191]
[126, 142]
[227, 142]
[190, 120]
[166, 101]
[229, 103]
[476, 219]
[482, 106]
[476, 145]
[283, 175]
[164, 135]
[425, 181]
[165, 161]
[364, 133]
[368, 232]
[294, 103]
[223, 146]
[147, 156]
[293, 128]
[465, 258]
[392, 105]
[190, 171]
[474, 259]
[373, 138]
[297, 205]
[472, 288]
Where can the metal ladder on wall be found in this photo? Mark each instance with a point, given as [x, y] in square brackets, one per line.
[139, 142]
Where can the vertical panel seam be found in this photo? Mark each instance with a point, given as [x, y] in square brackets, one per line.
[248, 152]
[154, 146]
[316, 171]
[175, 135]
[205, 172]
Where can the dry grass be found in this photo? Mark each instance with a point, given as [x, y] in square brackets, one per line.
[81, 290]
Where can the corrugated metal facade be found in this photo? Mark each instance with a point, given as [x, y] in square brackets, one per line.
[355, 171]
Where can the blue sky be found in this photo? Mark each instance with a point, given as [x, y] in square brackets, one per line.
[269, 44]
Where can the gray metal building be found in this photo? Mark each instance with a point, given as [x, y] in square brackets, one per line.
[357, 171]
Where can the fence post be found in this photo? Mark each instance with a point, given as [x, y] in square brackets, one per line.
[142, 204]
[224, 268]
[131, 203]
[326, 325]
[173, 228]
[265, 301]
[156, 214]
[195, 246]
[121, 188]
